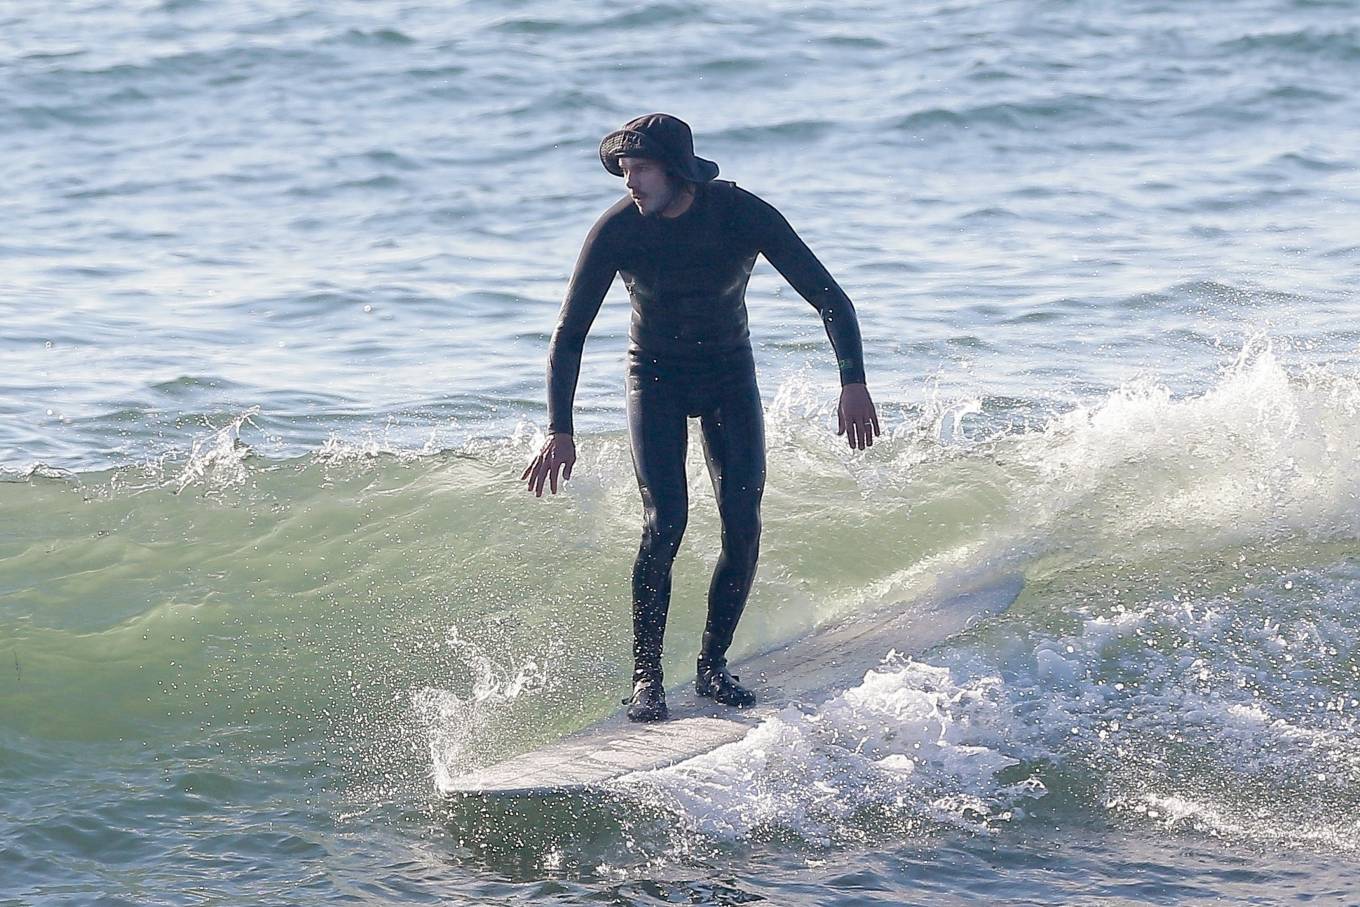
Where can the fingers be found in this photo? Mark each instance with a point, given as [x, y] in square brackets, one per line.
[860, 433]
[868, 429]
[858, 421]
[547, 468]
[853, 428]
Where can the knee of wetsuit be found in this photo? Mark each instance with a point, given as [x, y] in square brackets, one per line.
[663, 535]
[742, 536]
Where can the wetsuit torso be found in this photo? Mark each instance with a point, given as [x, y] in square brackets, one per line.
[687, 279]
[690, 355]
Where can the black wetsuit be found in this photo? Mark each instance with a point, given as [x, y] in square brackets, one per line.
[690, 355]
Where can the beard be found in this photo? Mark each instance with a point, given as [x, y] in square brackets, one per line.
[664, 198]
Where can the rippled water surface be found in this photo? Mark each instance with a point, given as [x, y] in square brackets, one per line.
[277, 287]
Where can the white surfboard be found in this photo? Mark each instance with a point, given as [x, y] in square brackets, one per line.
[811, 669]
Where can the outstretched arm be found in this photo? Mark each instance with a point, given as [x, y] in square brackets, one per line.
[595, 269]
[791, 257]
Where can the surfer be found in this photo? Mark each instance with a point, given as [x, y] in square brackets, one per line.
[685, 244]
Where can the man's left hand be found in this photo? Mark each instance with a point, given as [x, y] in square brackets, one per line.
[856, 417]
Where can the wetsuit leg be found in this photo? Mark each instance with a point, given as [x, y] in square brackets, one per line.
[734, 446]
[658, 432]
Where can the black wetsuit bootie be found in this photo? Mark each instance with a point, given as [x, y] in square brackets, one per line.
[648, 702]
[714, 681]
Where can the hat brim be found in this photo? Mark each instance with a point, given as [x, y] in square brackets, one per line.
[630, 143]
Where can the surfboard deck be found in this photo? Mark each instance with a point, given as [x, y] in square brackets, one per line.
[812, 668]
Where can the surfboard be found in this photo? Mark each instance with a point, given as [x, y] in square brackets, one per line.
[810, 669]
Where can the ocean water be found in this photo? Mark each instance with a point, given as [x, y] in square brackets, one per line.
[277, 284]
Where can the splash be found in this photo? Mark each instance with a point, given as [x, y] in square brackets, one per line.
[455, 723]
[218, 460]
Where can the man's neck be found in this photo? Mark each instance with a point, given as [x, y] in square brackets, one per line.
[682, 202]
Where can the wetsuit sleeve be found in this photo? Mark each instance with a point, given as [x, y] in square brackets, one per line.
[595, 270]
[791, 257]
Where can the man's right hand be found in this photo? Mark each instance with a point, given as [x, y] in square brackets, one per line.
[559, 453]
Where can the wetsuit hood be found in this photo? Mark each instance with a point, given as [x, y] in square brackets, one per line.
[661, 137]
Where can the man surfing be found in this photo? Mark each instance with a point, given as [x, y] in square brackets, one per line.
[685, 244]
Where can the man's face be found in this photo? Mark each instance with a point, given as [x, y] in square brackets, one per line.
[651, 187]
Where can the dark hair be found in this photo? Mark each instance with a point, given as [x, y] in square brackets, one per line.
[677, 175]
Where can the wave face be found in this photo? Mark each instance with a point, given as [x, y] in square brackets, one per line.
[1182, 661]
[276, 303]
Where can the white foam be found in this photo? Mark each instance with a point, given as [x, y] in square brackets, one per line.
[1258, 455]
[909, 737]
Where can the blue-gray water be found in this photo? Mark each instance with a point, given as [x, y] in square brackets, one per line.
[277, 283]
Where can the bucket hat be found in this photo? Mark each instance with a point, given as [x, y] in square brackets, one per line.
[661, 137]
